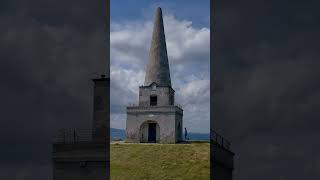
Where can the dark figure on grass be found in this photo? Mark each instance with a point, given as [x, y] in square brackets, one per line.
[185, 133]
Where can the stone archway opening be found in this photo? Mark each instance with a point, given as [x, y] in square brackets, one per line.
[150, 132]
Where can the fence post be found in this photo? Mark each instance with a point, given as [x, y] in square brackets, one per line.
[74, 136]
[64, 136]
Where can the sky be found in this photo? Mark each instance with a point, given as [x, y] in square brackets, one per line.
[188, 44]
[267, 63]
[126, 10]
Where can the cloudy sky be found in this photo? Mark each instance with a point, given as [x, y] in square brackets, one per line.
[188, 46]
[267, 56]
[49, 51]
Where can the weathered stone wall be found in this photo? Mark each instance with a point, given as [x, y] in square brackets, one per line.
[163, 95]
[100, 109]
[179, 130]
[221, 162]
[86, 161]
[72, 170]
[221, 173]
[165, 116]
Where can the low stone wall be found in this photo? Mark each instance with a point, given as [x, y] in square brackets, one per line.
[221, 162]
[83, 161]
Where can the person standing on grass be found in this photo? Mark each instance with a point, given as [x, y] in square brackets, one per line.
[185, 133]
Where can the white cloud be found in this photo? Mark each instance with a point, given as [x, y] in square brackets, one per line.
[188, 52]
[194, 91]
[185, 42]
[118, 120]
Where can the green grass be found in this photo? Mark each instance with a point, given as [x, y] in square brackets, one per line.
[160, 161]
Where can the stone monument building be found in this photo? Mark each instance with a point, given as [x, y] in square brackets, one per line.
[156, 119]
[83, 154]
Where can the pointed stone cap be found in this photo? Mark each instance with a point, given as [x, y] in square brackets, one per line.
[158, 66]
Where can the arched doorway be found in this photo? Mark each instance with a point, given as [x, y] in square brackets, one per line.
[149, 132]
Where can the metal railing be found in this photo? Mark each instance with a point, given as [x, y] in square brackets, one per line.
[73, 136]
[132, 105]
[217, 138]
[147, 105]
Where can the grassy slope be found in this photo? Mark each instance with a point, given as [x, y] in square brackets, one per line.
[160, 161]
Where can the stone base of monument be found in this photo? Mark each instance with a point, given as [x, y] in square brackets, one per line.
[81, 161]
[83, 154]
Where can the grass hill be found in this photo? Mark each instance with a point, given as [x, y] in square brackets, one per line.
[160, 161]
[120, 134]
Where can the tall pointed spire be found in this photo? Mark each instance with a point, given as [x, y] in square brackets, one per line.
[158, 66]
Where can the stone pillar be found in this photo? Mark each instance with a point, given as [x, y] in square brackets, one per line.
[100, 109]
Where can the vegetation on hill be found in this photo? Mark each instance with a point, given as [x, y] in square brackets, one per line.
[160, 161]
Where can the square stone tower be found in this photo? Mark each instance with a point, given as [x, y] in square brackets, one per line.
[156, 119]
